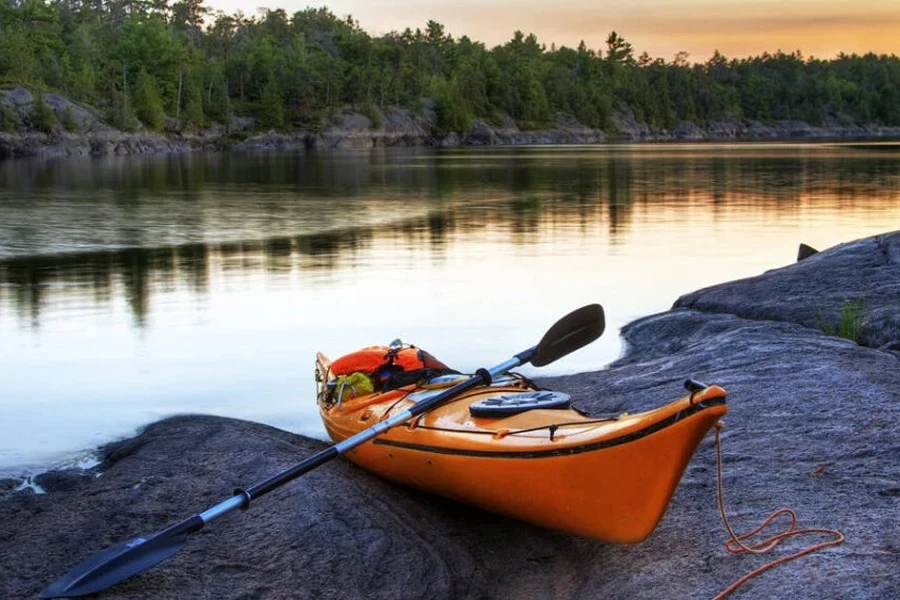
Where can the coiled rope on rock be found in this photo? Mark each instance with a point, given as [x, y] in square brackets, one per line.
[736, 543]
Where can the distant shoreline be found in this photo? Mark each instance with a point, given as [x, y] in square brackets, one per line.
[396, 127]
[117, 143]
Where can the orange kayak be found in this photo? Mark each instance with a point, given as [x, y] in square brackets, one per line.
[513, 449]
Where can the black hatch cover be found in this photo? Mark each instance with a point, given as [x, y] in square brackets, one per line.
[511, 404]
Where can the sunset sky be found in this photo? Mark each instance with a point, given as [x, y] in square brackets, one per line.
[737, 28]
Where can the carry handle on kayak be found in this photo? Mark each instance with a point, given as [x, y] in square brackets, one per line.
[121, 561]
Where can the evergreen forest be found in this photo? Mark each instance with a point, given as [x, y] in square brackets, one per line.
[140, 61]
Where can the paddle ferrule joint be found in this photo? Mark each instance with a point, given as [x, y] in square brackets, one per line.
[526, 356]
[245, 497]
[500, 369]
[236, 501]
[485, 376]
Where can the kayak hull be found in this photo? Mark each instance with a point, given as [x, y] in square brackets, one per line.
[610, 478]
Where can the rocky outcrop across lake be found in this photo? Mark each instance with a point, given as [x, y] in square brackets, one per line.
[62, 144]
[397, 127]
[401, 127]
[87, 133]
[813, 424]
[734, 129]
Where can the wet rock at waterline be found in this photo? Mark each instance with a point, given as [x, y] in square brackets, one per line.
[813, 425]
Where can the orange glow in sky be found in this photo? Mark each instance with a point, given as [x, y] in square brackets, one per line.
[737, 28]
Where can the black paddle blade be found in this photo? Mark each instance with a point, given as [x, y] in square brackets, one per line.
[576, 330]
[115, 564]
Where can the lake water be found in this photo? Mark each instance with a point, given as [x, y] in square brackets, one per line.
[136, 288]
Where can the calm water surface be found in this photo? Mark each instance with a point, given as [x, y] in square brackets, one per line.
[136, 288]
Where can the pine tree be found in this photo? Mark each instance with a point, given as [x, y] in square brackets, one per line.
[270, 111]
[42, 116]
[218, 105]
[7, 119]
[120, 112]
[193, 106]
[148, 107]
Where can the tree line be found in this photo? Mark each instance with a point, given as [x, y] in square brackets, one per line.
[140, 61]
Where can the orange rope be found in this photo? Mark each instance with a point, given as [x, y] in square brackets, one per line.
[736, 544]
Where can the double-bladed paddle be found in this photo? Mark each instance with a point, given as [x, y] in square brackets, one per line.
[106, 568]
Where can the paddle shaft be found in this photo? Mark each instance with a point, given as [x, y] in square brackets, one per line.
[242, 498]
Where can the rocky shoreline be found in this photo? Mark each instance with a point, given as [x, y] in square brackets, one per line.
[813, 424]
[90, 136]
